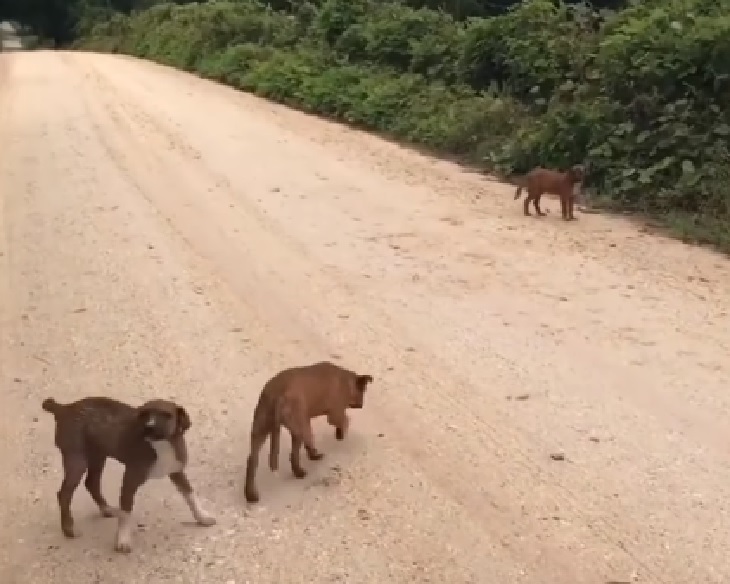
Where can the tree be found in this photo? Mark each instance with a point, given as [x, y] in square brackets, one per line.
[58, 20]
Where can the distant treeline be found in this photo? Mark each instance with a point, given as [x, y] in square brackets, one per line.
[59, 20]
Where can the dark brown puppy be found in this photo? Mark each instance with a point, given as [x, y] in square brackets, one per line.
[148, 441]
[292, 398]
[543, 180]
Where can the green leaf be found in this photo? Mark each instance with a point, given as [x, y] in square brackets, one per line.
[567, 86]
[627, 185]
[688, 167]
[666, 162]
[646, 176]
[604, 150]
[721, 130]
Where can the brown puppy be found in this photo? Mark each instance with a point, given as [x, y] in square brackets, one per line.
[542, 180]
[147, 440]
[292, 398]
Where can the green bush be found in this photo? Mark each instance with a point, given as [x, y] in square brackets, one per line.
[335, 16]
[234, 63]
[414, 41]
[670, 51]
[530, 51]
[640, 96]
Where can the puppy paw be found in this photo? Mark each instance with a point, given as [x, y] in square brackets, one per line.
[299, 473]
[71, 532]
[109, 511]
[315, 455]
[205, 520]
[252, 496]
[123, 547]
[340, 433]
[123, 543]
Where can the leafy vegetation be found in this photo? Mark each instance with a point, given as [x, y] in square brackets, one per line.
[639, 93]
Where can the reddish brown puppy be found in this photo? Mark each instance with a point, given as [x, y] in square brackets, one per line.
[292, 398]
[148, 440]
[540, 181]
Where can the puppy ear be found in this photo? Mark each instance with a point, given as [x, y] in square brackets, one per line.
[362, 381]
[183, 421]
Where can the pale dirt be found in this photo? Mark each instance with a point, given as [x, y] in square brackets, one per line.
[161, 235]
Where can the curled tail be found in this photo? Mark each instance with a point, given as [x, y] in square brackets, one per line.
[51, 405]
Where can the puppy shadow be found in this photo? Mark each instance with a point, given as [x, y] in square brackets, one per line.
[282, 489]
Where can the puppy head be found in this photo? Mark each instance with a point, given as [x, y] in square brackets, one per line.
[357, 390]
[162, 420]
[577, 173]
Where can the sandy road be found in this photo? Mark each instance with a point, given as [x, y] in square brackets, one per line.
[164, 236]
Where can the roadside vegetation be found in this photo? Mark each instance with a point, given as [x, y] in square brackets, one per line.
[640, 93]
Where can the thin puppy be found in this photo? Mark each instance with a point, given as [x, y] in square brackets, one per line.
[149, 441]
[292, 398]
[543, 180]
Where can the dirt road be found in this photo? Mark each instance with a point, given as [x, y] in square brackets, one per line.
[161, 235]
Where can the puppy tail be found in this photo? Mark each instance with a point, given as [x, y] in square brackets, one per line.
[51, 405]
[518, 192]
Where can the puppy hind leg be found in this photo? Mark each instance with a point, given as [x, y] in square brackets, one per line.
[93, 485]
[181, 482]
[74, 467]
[294, 457]
[252, 463]
[275, 446]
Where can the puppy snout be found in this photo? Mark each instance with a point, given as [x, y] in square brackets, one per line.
[154, 429]
[155, 434]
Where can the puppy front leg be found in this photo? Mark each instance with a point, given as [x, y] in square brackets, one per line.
[308, 439]
[181, 482]
[93, 485]
[131, 481]
[341, 422]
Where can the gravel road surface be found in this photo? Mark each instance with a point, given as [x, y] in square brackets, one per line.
[550, 403]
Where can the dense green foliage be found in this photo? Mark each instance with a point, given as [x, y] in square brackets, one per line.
[61, 21]
[639, 95]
